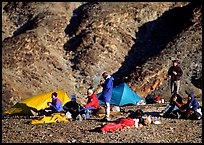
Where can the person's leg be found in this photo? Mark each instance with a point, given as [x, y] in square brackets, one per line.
[172, 86]
[107, 105]
[167, 111]
[87, 111]
[178, 83]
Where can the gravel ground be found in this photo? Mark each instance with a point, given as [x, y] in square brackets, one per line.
[18, 130]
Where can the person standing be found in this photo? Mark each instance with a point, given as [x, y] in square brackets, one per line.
[107, 93]
[175, 72]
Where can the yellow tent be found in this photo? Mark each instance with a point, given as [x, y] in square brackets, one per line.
[35, 103]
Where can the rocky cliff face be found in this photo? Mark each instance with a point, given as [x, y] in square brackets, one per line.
[51, 46]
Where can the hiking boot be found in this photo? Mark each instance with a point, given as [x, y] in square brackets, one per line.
[106, 119]
[35, 114]
[178, 115]
[161, 113]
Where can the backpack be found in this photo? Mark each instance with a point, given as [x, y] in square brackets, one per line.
[150, 99]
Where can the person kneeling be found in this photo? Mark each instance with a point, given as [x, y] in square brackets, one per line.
[191, 110]
[92, 103]
[173, 109]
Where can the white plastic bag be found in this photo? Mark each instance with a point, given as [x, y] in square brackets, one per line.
[116, 109]
[199, 111]
[141, 102]
[136, 123]
[68, 115]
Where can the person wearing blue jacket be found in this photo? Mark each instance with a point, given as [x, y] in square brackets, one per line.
[192, 107]
[107, 93]
[53, 107]
[56, 104]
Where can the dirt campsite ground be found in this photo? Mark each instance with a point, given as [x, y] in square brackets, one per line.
[19, 130]
[68, 45]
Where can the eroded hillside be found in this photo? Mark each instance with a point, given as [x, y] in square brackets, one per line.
[51, 46]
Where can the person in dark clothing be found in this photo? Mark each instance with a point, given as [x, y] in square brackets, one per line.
[175, 72]
[175, 104]
[190, 109]
[74, 108]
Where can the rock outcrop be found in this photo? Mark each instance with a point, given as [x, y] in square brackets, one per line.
[50, 46]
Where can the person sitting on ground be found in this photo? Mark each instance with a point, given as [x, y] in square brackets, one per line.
[92, 103]
[54, 107]
[175, 104]
[74, 108]
[191, 109]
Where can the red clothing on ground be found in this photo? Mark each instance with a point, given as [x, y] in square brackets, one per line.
[122, 123]
[93, 101]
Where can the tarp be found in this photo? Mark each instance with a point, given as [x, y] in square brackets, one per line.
[55, 117]
[36, 103]
[122, 95]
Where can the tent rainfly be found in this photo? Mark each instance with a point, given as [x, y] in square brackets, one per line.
[122, 95]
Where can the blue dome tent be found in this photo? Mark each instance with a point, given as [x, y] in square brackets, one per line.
[122, 95]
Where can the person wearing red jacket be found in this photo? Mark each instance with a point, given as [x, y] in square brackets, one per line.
[92, 103]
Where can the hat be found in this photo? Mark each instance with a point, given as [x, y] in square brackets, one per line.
[90, 91]
[73, 98]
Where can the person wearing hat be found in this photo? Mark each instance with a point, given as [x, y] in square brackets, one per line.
[107, 93]
[92, 102]
[175, 72]
[73, 108]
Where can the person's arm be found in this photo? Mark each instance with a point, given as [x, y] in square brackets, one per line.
[177, 103]
[57, 106]
[107, 87]
[169, 73]
[179, 72]
[66, 107]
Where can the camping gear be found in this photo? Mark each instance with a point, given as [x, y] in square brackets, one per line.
[36, 103]
[156, 122]
[122, 95]
[141, 102]
[150, 99]
[157, 98]
[68, 115]
[55, 117]
[116, 109]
